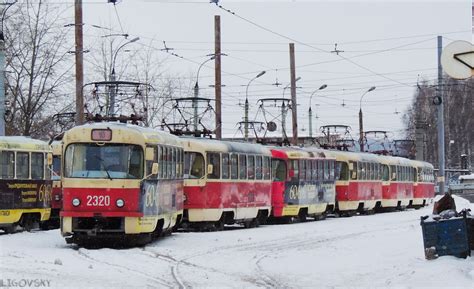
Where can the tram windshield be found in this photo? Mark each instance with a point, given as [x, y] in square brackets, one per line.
[193, 165]
[113, 161]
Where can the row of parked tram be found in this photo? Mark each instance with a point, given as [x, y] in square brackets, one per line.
[120, 181]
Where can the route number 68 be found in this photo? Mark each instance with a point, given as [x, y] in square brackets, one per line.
[98, 201]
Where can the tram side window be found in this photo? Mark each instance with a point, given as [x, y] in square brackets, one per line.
[354, 171]
[22, 165]
[47, 168]
[343, 170]
[385, 173]
[242, 167]
[214, 159]
[193, 165]
[308, 170]
[258, 168]
[179, 154]
[135, 167]
[320, 170]
[267, 168]
[164, 163]
[314, 170]
[37, 166]
[393, 169]
[279, 170]
[326, 170]
[295, 168]
[149, 164]
[169, 158]
[234, 167]
[173, 163]
[302, 170]
[332, 170]
[225, 166]
[8, 165]
[360, 171]
[251, 167]
[161, 165]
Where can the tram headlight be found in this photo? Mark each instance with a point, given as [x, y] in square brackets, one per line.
[76, 202]
[120, 203]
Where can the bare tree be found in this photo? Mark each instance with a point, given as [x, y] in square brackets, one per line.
[140, 63]
[37, 66]
[458, 120]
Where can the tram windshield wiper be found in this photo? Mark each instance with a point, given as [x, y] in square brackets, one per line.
[103, 164]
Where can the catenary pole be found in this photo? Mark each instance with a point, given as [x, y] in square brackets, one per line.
[218, 76]
[79, 62]
[440, 123]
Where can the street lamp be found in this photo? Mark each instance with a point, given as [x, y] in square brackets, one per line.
[288, 85]
[361, 125]
[246, 116]
[112, 77]
[310, 111]
[196, 93]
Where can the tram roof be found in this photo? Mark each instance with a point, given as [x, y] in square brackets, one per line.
[423, 164]
[23, 143]
[297, 152]
[201, 144]
[149, 135]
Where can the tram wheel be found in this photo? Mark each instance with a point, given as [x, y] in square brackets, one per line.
[302, 215]
[10, 229]
[219, 225]
[29, 222]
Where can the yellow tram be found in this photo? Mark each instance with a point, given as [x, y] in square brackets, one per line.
[25, 183]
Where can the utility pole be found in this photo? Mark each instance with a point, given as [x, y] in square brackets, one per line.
[246, 119]
[218, 79]
[283, 120]
[440, 123]
[293, 94]
[2, 76]
[79, 62]
[310, 116]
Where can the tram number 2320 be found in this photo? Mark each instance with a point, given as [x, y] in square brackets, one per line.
[98, 201]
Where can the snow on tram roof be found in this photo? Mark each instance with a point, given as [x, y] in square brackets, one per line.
[22, 142]
[224, 146]
[147, 132]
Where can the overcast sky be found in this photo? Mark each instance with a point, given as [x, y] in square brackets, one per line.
[389, 45]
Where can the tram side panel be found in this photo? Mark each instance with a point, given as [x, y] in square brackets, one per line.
[25, 183]
[21, 197]
[303, 185]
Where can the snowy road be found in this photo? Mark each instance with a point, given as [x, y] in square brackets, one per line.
[384, 250]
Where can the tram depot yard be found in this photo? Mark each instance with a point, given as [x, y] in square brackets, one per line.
[378, 251]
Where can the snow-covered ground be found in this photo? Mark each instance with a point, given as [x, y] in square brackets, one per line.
[383, 250]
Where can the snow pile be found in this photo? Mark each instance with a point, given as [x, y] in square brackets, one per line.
[382, 250]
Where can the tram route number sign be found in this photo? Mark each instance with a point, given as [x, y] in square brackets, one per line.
[457, 59]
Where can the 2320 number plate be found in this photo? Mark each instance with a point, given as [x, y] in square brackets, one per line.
[98, 201]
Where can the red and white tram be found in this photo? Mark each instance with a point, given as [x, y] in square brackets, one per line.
[226, 183]
[121, 183]
[358, 181]
[303, 183]
[424, 186]
[398, 187]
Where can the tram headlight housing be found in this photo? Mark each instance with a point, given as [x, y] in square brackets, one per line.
[120, 203]
[76, 202]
